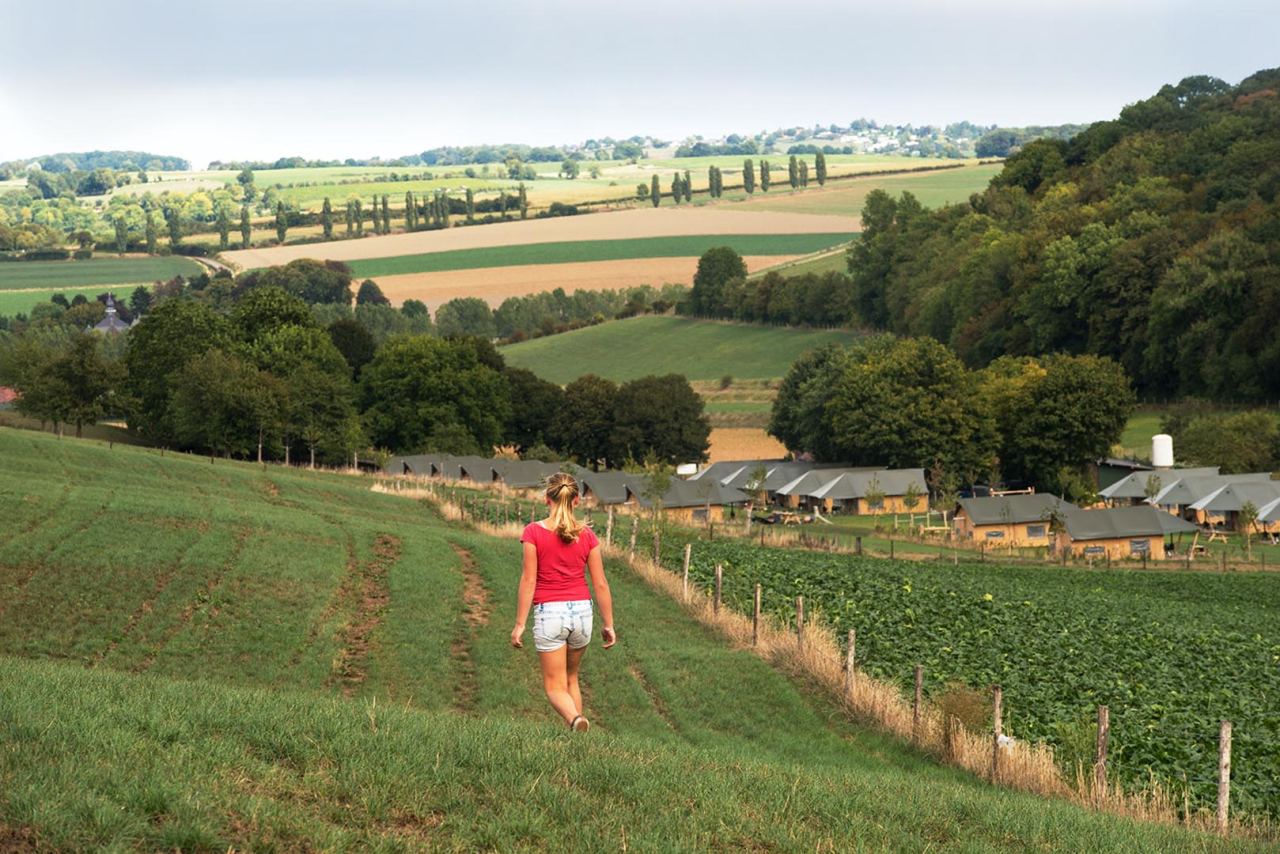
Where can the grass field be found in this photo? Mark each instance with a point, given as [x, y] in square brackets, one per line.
[21, 302]
[933, 189]
[1136, 439]
[829, 262]
[95, 271]
[204, 656]
[682, 246]
[699, 349]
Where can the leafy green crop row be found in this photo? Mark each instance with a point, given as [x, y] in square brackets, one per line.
[1170, 653]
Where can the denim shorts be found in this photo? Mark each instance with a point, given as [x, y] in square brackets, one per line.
[558, 623]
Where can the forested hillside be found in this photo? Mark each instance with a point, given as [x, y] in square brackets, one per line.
[1152, 239]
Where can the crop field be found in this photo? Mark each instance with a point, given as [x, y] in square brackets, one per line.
[819, 264]
[215, 655]
[699, 349]
[581, 251]
[846, 198]
[621, 225]
[1171, 653]
[22, 301]
[17, 275]
[495, 284]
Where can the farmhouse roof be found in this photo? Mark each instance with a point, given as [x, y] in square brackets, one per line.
[523, 474]
[1135, 485]
[728, 468]
[1015, 509]
[608, 487]
[1117, 523]
[111, 322]
[1233, 496]
[684, 493]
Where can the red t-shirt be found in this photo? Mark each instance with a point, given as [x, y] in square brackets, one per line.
[561, 566]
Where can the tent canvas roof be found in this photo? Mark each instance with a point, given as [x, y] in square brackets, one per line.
[1233, 496]
[1014, 509]
[1135, 485]
[1114, 523]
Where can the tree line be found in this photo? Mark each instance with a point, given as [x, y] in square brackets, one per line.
[909, 402]
[277, 365]
[1151, 239]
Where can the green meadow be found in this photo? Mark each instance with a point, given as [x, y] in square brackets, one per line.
[700, 349]
[94, 271]
[208, 655]
[682, 246]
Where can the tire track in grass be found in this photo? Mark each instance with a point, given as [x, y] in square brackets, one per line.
[475, 615]
[334, 605]
[201, 598]
[655, 699]
[370, 592]
[32, 524]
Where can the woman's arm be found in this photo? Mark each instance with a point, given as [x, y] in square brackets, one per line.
[524, 594]
[600, 584]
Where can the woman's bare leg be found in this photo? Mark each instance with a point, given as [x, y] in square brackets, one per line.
[572, 660]
[556, 683]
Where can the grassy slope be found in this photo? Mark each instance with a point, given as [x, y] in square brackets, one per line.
[172, 568]
[847, 197]
[95, 271]
[699, 349]
[684, 246]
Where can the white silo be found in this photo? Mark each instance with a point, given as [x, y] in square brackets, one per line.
[1162, 451]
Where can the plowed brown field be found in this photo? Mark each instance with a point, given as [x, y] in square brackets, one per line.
[744, 443]
[494, 284]
[618, 225]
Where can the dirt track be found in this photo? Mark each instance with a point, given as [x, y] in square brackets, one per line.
[494, 284]
[618, 225]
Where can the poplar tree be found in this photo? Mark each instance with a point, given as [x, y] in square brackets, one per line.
[326, 219]
[246, 227]
[804, 173]
[224, 227]
[351, 221]
[820, 168]
[764, 176]
[677, 188]
[688, 187]
[174, 218]
[282, 224]
[410, 212]
[711, 181]
[358, 210]
[502, 203]
[373, 217]
[444, 208]
[122, 236]
[151, 232]
[655, 192]
[793, 172]
[386, 215]
[471, 205]
[749, 176]
[524, 202]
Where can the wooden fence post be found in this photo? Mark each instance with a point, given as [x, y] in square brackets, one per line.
[1100, 755]
[850, 662]
[891, 548]
[688, 550]
[916, 703]
[800, 622]
[635, 528]
[1224, 776]
[755, 619]
[997, 697]
[608, 529]
[719, 585]
[857, 545]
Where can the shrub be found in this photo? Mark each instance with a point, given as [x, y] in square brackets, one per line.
[82, 254]
[725, 382]
[960, 701]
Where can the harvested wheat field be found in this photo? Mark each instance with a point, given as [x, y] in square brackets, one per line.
[641, 222]
[494, 284]
[744, 443]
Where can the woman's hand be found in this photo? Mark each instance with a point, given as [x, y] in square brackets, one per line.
[515, 636]
[610, 636]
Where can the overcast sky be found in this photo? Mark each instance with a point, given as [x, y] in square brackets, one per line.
[265, 79]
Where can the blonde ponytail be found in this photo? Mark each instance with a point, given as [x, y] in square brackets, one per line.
[562, 489]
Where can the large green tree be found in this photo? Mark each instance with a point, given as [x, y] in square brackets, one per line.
[536, 404]
[584, 427]
[659, 418]
[306, 278]
[466, 316]
[416, 386]
[716, 268]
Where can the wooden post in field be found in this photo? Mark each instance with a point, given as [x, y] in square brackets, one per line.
[891, 548]
[635, 528]
[850, 662]
[997, 697]
[857, 545]
[800, 622]
[748, 515]
[1100, 755]
[719, 585]
[608, 529]
[1224, 776]
[688, 551]
[916, 703]
[755, 619]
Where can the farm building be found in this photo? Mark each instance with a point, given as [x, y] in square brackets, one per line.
[689, 502]
[1120, 532]
[862, 491]
[605, 488]
[1111, 470]
[1011, 520]
[1223, 506]
[1199, 495]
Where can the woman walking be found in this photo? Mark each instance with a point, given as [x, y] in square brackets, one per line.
[552, 581]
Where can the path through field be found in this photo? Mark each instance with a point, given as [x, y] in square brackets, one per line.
[650, 222]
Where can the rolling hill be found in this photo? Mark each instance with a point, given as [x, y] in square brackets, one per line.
[210, 655]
